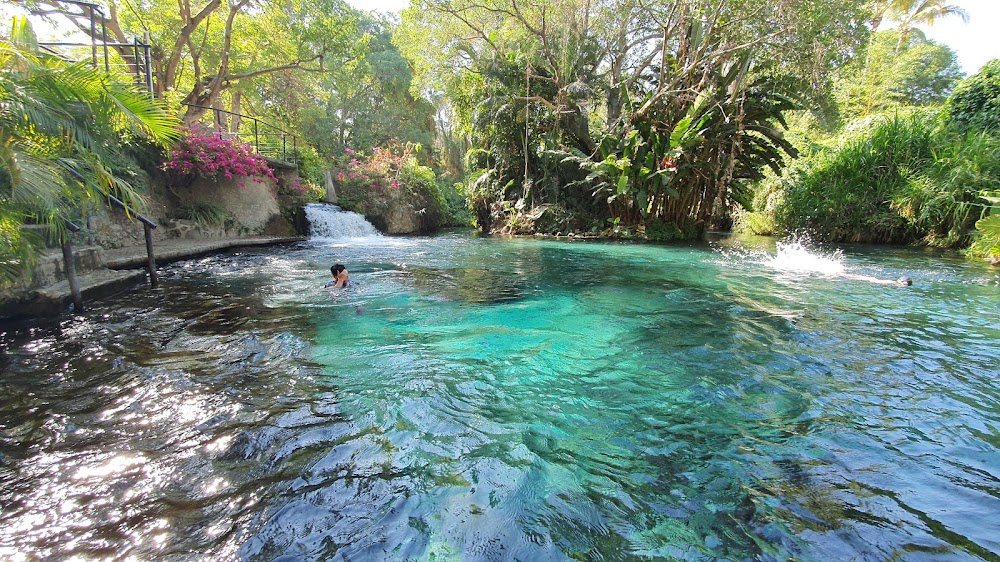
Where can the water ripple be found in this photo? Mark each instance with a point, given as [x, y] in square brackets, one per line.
[605, 402]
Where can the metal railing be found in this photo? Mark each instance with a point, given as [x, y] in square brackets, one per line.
[131, 58]
[265, 139]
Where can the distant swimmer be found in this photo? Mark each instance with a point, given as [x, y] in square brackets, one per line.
[340, 276]
[902, 281]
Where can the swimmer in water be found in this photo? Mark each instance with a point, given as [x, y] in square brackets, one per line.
[340, 277]
[902, 281]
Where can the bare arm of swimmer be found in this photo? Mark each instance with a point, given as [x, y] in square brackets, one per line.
[341, 279]
[902, 281]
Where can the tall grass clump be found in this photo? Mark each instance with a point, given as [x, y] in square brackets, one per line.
[945, 200]
[900, 178]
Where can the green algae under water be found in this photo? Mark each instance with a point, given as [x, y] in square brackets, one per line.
[471, 398]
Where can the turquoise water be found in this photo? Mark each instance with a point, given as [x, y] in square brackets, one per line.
[472, 398]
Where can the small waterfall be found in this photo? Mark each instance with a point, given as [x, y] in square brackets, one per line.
[330, 221]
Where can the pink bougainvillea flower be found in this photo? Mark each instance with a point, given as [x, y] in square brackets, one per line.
[395, 185]
[348, 150]
[204, 153]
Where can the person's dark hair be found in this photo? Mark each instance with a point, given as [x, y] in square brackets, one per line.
[337, 268]
[905, 281]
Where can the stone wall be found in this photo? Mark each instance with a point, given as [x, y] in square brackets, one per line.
[109, 227]
[250, 202]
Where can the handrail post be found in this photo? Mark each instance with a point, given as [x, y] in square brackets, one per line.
[93, 37]
[74, 283]
[149, 70]
[153, 281]
[147, 226]
[135, 56]
[104, 38]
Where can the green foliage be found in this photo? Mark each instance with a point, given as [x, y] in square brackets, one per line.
[890, 75]
[976, 102]
[390, 178]
[759, 216]
[421, 183]
[312, 167]
[684, 154]
[17, 251]
[662, 231]
[458, 208]
[205, 214]
[60, 124]
[263, 46]
[566, 105]
[987, 242]
[899, 178]
[368, 101]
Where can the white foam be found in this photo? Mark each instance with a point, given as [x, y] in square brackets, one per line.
[330, 222]
[794, 256]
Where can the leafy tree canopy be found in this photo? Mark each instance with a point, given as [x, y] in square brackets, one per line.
[368, 102]
[921, 73]
[203, 50]
[976, 101]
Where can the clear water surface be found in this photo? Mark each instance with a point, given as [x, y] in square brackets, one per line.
[471, 398]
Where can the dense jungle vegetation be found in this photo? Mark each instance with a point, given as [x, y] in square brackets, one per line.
[633, 118]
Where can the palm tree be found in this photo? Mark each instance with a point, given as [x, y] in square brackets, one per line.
[59, 123]
[911, 13]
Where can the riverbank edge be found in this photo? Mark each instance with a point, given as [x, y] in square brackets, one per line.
[120, 270]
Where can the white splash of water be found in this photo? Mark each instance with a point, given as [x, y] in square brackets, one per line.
[331, 222]
[795, 256]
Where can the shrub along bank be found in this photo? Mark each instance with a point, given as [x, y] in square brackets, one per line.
[392, 190]
[899, 178]
[928, 176]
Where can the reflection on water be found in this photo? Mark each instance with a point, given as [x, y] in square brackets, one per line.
[489, 399]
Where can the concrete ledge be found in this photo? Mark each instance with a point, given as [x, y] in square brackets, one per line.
[171, 250]
[95, 284]
[54, 299]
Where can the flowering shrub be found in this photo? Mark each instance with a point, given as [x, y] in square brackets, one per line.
[292, 191]
[378, 172]
[387, 178]
[204, 153]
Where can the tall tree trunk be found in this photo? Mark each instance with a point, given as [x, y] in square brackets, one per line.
[236, 119]
[221, 118]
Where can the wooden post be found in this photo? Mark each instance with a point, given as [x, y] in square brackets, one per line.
[153, 282]
[74, 284]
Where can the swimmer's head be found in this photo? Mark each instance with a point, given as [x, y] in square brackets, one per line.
[905, 281]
